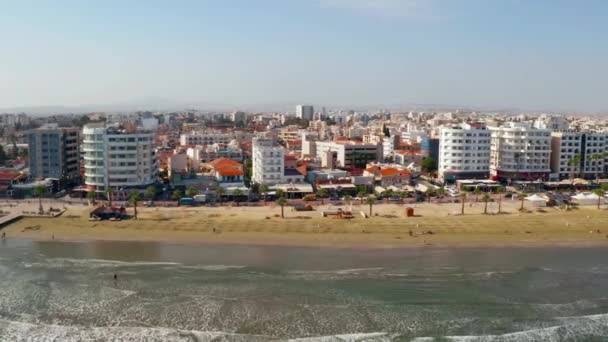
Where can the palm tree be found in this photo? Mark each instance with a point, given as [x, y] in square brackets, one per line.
[574, 164]
[264, 190]
[477, 192]
[597, 157]
[370, 201]
[220, 191]
[282, 201]
[236, 196]
[279, 193]
[486, 198]
[600, 194]
[191, 191]
[109, 196]
[91, 196]
[500, 190]
[349, 199]
[361, 194]
[463, 198]
[522, 197]
[150, 192]
[134, 197]
[39, 191]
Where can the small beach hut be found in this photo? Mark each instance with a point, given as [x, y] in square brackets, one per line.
[537, 201]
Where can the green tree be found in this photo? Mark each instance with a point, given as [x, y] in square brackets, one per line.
[236, 195]
[463, 199]
[428, 165]
[150, 192]
[522, 197]
[40, 191]
[177, 194]
[134, 197]
[264, 191]
[92, 196]
[220, 191]
[486, 198]
[574, 164]
[500, 191]
[440, 192]
[191, 191]
[280, 193]
[597, 158]
[600, 195]
[477, 192]
[370, 201]
[282, 201]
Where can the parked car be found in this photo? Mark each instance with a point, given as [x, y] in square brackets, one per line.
[148, 204]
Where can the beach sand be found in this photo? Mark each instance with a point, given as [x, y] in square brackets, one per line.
[388, 227]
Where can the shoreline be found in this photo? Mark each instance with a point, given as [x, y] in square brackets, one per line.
[436, 225]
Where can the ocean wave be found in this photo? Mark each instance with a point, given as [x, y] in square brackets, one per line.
[571, 329]
[20, 331]
[103, 263]
[367, 337]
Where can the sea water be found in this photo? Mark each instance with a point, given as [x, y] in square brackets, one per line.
[60, 291]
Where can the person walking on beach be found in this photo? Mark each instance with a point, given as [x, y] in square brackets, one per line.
[115, 279]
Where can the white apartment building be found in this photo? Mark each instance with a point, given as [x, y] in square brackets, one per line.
[268, 159]
[205, 138]
[305, 112]
[349, 154]
[117, 159]
[590, 146]
[464, 152]
[519, 151]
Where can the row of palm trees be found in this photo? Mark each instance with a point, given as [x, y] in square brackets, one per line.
[575, 163]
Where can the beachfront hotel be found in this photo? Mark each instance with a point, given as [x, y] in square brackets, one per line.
[588, 146]
[53, 153]
[519, 151]
[118, 158]
[268, 159]
[464, 152]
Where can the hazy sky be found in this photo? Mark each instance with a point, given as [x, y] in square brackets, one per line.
[537, 54]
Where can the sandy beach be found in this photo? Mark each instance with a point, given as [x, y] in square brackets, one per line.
[388, 227]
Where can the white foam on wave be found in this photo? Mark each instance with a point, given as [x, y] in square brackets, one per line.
[20, 331]
[213, 267]
[571, 329]
[343, 271]
[363, 337]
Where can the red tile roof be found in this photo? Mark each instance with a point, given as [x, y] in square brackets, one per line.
[227, 167]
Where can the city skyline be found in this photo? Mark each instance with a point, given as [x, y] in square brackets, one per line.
[541, 56]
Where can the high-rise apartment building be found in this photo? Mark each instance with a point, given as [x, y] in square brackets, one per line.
[305, 112]
[464, 152]
[589, 147]
[349, 154]
[268, 159]
[54, 153]
[519, 151]
[118, 159]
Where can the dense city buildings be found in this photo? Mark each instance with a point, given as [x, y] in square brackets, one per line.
[54, 153]
[118, 158]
